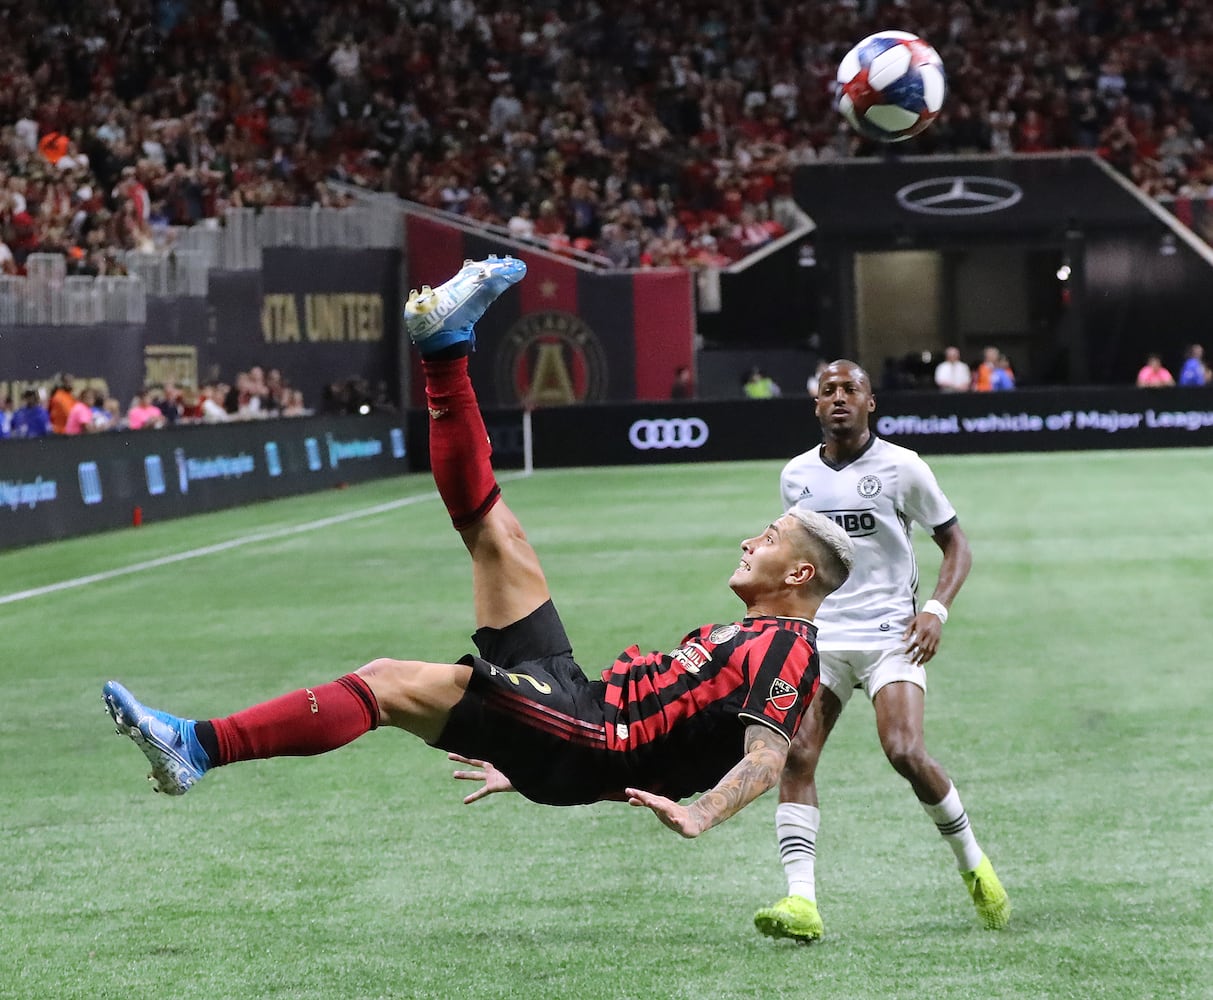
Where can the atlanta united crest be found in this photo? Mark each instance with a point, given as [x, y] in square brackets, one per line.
[551, 359]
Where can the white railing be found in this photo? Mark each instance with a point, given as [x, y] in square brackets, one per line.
[182, 260]
[48, 296]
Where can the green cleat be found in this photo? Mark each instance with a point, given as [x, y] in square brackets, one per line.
[990, 898]
[792, 917]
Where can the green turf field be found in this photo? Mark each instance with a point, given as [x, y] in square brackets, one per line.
[1070, 703]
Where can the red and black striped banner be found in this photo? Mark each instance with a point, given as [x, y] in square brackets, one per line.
[565, 334]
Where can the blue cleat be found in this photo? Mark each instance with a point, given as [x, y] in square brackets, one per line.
[437, 318]
[169, 743]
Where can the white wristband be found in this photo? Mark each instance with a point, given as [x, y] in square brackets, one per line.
[933, 607]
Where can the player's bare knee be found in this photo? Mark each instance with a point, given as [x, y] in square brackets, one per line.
[906, 753]
[392, 682]
[802, 760]
[498, 536]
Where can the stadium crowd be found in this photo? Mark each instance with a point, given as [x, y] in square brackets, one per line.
[74, 409]
[648, 133]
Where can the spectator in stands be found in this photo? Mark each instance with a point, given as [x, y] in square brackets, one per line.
[212, 406]
[683, 387]
[760, 385]
[1153, 375]
[1003, 377]
[521, 225]
[8, 263]
[292, 405]
[191, 406]
[81, 419]
[6, 417]
[952, 374]
[717, 118]
[983, 378]
[168, 400]
[276, 390]
[32, 420]
[62, 401]
[107, 414]
[550, 225]
[1194, 371]
[144, 414]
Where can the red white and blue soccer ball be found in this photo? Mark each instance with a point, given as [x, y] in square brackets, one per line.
[891, 86]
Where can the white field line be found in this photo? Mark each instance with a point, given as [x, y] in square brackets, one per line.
[233, 543]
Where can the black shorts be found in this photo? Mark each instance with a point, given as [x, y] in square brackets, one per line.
[531, 710]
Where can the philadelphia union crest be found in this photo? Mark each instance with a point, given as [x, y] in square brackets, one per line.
[869, 487]
[551, 359]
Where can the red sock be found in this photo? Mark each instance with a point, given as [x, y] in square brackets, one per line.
[459, 443]
[300, 724]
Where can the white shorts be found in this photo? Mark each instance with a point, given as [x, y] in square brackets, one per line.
[846, 669]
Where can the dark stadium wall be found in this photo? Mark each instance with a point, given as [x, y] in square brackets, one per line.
[178, 342]
[1145, 293]
[1134, 287]
[108, 357]
[321, 316]
[770, 303]
[565, 334]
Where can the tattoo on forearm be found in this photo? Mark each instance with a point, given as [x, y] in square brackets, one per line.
[757, 771]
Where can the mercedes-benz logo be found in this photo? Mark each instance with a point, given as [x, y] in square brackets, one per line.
[969, 195]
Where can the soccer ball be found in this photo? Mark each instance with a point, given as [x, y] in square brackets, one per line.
[891, 86]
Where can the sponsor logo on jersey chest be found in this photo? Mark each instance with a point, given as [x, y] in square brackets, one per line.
[856, 523]
[692, 656]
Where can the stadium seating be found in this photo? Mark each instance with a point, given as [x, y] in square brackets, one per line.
[646, 134]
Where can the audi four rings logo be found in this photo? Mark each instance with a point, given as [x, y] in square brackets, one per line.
[684, 432]
[969, 195]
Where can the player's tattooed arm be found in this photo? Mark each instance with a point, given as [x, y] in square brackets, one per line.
[757, 771]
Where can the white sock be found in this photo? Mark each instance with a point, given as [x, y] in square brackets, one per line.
[953, 823]
[796, 826]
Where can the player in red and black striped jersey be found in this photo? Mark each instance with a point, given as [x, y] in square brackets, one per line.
[671, 723]
[715, 714]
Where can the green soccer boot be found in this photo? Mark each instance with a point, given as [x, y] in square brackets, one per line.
[990, 898]
[792, 917]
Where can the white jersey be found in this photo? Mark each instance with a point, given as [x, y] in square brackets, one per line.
[876, 497]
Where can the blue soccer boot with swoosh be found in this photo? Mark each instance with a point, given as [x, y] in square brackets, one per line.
[168, 742]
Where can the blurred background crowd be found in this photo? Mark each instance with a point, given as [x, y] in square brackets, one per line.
[651, 134]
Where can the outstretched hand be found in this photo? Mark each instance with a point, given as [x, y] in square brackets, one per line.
[678, 818]
[494, 780]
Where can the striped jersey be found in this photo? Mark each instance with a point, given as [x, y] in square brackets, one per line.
[678, 719]
[876, 498]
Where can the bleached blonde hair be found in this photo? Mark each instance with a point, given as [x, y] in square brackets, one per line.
[833, 550]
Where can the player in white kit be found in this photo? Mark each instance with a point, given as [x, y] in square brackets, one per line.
[874, 635]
